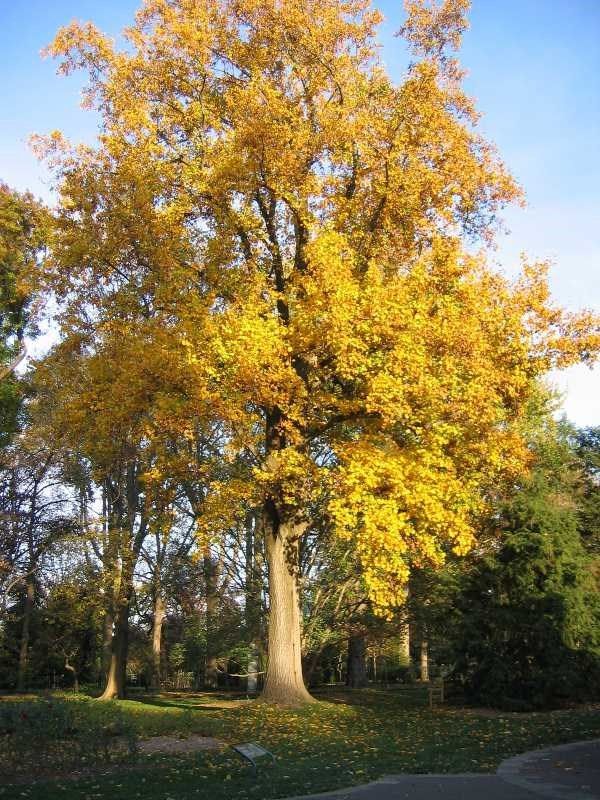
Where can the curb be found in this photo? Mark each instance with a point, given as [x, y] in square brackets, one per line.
[340, 793]
[510, 771]
[386, 780]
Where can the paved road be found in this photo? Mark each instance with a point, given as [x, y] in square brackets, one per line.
[568, 772]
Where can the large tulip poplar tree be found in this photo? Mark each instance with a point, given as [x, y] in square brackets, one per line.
[275, 231]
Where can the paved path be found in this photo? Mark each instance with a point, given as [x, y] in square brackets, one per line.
[567, 772]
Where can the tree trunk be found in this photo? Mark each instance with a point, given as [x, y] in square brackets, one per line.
[73, 671]
[424, 658]
[107, 634]
[22, 673]
[157, 626]
[115, 679]
[356, 672]
[124, 541]
[404, 645]
[253, 583]
[310, 670]
[284, 682]
[253, 597]
[211, 673]
[252, 679]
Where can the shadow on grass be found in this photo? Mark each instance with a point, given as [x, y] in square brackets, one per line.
[199, 701]
[377, 699]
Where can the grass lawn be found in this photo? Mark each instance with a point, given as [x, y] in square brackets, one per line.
[347, 738]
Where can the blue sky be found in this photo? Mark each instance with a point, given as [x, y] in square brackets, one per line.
[534, 69]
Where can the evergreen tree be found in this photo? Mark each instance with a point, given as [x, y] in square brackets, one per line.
[587, 443]
[529, 630]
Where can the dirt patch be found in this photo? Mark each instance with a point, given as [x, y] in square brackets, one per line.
[170, 744]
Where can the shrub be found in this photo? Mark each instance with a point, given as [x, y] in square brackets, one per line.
[54, 734]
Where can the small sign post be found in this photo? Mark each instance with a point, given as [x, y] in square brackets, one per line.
[251, 751]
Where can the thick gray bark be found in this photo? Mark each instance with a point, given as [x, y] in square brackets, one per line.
[107, 633]
[125, 537]
[117, 668]
[404, 645]
[211, 574]
[284, 682]
[356, 666]
[157, 626]
[253, 597]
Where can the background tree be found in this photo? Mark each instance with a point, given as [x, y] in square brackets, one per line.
[528, 633]
[23, 230]
[587, 450]
[36, 515]
[69, 638]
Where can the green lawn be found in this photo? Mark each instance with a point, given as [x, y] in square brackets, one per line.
[347, 738]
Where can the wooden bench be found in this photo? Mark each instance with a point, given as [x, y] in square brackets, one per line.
[436, 692]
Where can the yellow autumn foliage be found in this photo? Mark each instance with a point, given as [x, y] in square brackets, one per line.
[268, 238]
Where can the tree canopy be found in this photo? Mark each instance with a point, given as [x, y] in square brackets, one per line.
[23, 228]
